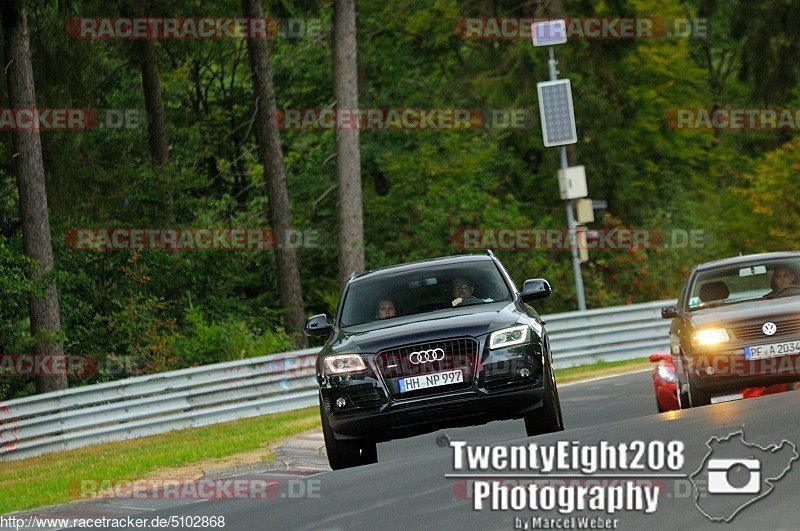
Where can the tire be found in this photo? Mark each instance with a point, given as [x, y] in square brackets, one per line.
[346, 453]
[683, 398]
[697, 398]
[548, 418]
[683, 401]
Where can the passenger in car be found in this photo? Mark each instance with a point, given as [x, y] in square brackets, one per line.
[386, 309]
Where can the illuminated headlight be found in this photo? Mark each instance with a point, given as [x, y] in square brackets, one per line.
[344, 363]
[710, 336]
[666, 373]
[508, 337]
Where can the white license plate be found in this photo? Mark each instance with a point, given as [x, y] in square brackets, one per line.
[435, 379]
[772, 351]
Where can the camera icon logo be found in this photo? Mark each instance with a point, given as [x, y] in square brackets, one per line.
[735, 474]
[720, 469]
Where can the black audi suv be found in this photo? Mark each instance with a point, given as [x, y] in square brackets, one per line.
[422, 346]
[736, 325]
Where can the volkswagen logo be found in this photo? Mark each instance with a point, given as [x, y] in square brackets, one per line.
[769, 328]
[424, 356]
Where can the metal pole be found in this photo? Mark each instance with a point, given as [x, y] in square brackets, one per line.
[571, 225]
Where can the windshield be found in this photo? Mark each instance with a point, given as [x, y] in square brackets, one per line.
[423, 290]
[752, 281]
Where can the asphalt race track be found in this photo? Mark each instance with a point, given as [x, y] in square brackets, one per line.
[408, 488]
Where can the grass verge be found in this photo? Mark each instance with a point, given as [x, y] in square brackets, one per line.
[56, 478]
[601, 368]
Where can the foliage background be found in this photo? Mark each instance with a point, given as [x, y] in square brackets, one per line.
[155, 311]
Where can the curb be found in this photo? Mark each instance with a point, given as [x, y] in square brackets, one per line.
[303, 453]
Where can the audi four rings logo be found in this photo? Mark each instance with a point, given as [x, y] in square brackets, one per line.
[424, 356]
[769, 328]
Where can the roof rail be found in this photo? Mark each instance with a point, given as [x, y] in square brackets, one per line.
[490, 253]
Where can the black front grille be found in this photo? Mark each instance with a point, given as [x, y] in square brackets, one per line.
[395, 364]
[753, 331]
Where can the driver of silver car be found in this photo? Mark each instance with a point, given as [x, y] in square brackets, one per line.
[782, 277]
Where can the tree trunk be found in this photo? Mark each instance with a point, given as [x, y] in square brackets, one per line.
[348, 152]
[44, 313]
[154, 107]
[271, 154]
[151, 88]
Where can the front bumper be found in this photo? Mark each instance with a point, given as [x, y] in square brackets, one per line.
[425, 415]
[666, 393]
[499, 389]
[729, 371]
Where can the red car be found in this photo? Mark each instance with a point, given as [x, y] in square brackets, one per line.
[664, 383]
[666, 390]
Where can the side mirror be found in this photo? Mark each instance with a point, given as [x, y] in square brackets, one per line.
[656, 357]
[669, 312]
[318, 325]
[535, 289]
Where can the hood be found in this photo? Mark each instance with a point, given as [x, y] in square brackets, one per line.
[474, 321]
[744, 311]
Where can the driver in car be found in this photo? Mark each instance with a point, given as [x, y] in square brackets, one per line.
[463, 293]
[783, 277]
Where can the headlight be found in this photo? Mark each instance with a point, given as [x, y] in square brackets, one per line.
[508, 337]
[344, 363]
[709, 337]
[666, 373]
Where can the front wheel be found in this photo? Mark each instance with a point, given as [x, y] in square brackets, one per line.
[548, 418]
[697, 397]
[661, 409]
[346, 453]
[683, 397]
[681, 377]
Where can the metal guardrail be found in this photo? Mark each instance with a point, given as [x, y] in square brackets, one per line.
[610, 334]
[147, 405]
[157, 403]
